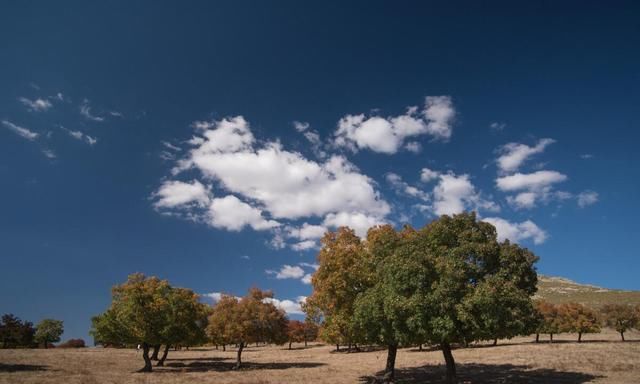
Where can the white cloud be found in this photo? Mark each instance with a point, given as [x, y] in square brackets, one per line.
[357, 221]
[529, 181]
[49, 153]
[85, 110]
[307, 279]
[455, 194]
[304, 245]
[232, 214]
[291, 307]
[533, 187]
[288, 272]
[284, 183]
[413, 146]
[427, 175]
[312, 136]
[78, 135]
[307, 231]
[173, 194]
[37, 105]
[586, 198]
[514, 154]
[517, 232]
[310, 265]
[586, 156]
[387, 135]
[21, 131]
[170, 146]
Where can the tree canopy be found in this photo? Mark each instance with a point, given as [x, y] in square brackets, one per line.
[148, 311]
[250, 319]
[48, 331]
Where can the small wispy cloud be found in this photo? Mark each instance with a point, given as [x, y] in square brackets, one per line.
[37, 105]
[85, 110]
[21, 131]
[79, 135]
[49, 153]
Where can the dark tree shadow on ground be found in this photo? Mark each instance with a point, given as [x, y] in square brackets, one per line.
[210, 359]
[220, 366]
[485, 374]
[22, 367]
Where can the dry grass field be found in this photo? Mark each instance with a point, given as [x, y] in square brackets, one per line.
[601, 358]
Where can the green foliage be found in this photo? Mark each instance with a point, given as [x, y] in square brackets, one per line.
[148, 311]
[15, 333]
[48, 331]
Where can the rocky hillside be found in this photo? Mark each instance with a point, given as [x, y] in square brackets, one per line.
[561, 290]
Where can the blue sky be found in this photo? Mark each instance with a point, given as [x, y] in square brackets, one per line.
[211, 144]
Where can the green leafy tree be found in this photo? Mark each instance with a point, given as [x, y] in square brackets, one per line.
[251, 319]
[383, 312]
[579, 319]
[186, 321]
[49, 331]
[621, 317]
[15, 332]
[470, 280]
[139, 314]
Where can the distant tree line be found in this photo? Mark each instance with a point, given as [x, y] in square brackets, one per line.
[16, 333]
[579, 319]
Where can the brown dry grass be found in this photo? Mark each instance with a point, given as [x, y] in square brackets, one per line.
[601, 358]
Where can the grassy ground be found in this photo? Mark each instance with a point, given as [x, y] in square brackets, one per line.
[601, 358]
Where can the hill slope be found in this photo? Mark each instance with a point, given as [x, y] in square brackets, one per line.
[560, 290]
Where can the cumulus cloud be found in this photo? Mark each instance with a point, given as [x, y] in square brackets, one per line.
[413, 146]
[232, 214]
[427, 175]
[388, 134]
[291, 307]
[586, 198]
[513, 155]
[455, 194]
[276, 184]
[357, 221]
[517, 232]
[173, 194]
[21, 131]
[37, 105]
[532, 187]
[288, 272]
[312, 136]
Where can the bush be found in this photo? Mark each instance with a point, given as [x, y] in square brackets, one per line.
[73, 343]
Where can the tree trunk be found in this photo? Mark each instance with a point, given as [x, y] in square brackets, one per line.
[579, 337]
[537, 337]
[145, 356]
[551, 337]
[239, 356]
[305, 343]
[156, 349]
[451, 377]
[338, 347]
[289, 345]
[622, 335]
[46, 346]
[390, 369]
[495, 341]
[164, 356]
[420, 347]
[224, 347]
